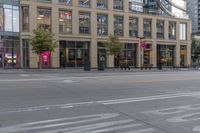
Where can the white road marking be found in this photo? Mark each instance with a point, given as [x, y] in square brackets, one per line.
[185, 118]
[174, 110]
[90, 124]
[142, 131]
[111, 129]
[68, 81]
[196, 129]
[104, 102]
[24, 75]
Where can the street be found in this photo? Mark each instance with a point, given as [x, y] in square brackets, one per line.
[125, 102]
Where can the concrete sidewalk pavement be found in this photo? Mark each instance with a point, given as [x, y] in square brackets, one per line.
[81, 70]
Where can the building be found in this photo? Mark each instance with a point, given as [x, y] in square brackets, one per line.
[193, 11]
[9, 34]
[82, 26]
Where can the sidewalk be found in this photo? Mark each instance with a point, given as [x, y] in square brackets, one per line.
[80, 70]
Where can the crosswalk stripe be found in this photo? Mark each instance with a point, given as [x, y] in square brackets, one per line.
[113, 128]
[89, 127]
[142, 130]
[26, 126]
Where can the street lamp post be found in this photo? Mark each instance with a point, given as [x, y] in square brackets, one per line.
[141, 52]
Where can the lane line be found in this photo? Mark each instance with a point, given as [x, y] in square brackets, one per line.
[104, 102]
[142, 131]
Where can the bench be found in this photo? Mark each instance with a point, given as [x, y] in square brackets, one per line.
[145, 66]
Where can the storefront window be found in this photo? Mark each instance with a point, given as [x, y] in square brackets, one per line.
[128, 55]
[102, 24]
[11, 53]
[147, 24]
[66, 2]
[44, 18]
[84, 3]
[172, 30]
[165, 55]
[84, 23]
[118, 4]
[45, 1]
[65, 21]
[102, 4]
[119, 25]
[25, 18]
[183, 31]
[147, 54]
[183, 54]
[73, 53]
[133, 27]
[25, 48]
[160, 29]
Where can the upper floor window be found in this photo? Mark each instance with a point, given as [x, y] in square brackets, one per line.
[11, 18]
[65, 21]
[160, 29]
[133, 27]
[147, 25]
[118, 4]
[172, 30]
[183, 31]
[44, 18]
[84, 3]
[102, 4]
[84, 23]
[136, 5]
[25, 18]
[66, 2]
[102, 24]
[119, 25]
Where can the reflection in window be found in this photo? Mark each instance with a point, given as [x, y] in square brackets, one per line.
[119, 25]
[136, 5]
[133, 27]
[118, 4]
[1, 20]
[84, 23]
[84, 3]
[128, 55]
[147, 28]
[102, 24]
[165, 55]
[11, 18]
[183, 31]
[66, 2]
[160, 29]
[65, 21]
[44, 18]
[25, 18]
[102, 4]
[172, 30]
[73, 53]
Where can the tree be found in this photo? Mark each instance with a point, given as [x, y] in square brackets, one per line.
[42, 41]
[114, 47]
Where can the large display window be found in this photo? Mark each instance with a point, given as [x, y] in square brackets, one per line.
[165, 55]
[73, 53]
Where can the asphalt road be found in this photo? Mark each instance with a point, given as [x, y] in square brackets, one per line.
[140, 102]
